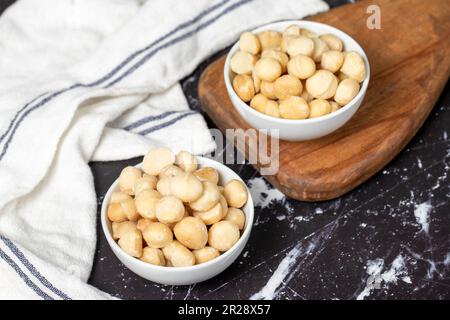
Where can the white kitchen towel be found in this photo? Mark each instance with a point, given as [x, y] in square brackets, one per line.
[95, 80]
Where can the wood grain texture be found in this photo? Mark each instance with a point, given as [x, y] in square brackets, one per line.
[410, 65]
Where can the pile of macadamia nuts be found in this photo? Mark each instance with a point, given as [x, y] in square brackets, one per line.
[173, 213]
[296, 74]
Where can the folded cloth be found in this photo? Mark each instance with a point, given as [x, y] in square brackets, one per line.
[95, 80]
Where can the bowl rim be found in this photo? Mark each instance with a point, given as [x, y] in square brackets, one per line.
[301, 23]
[249, 215]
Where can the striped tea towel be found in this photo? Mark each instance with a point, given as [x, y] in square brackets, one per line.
[95, 80]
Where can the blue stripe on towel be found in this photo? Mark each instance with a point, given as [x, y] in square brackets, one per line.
[151, 118]
[108, 75]
[166, 124]
[19, 254]
[17, 115]
[24, 277]
[136, 66]
[160, 39]
[178, 39]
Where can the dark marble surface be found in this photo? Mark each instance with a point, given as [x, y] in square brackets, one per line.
[387, 239]
[396, 227]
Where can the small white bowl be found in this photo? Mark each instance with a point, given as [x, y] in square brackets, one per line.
[183, 275]
[306, 129]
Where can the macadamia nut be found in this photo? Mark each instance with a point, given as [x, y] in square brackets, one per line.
[306, 96]
[319, 107]
[178, 255]
[163, 186]
[259, 102]
[143, 223]
[354, 66]
[301, 66]
[145, 183]
[157, 235]
[292, 30]
[248, 42]
[145, 202]
[182, 258]
[210, 216]
[308, 33]
[116, 213]
[223, 235]
[346, 91]
[284, 42]
[268, 90]
[191, 232]
[235, 193]
[187, 161]
[242, 62]
[332, 60]
[122, 211]
[299, 45]
[333, 42]
[269, 39]
[286, 86]
[153, 256]
[334, 106]
[244, 87]
[207, 174]
[170, 171]
[320, 47]
[156, 160]
[186, 187]
[215, 214]
[236, 216]
[205, 254]
[256, 81]
[131, 242]
[278, 55]
[209, 198]
[294, 108]
[169, 209]
[168, 250]
[118, 196]
[322, 85]
[272, 109]
[129, 208]
[127, 179]
[268, 69]
[120, 228]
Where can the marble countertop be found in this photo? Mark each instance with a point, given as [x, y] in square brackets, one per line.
[387, 239]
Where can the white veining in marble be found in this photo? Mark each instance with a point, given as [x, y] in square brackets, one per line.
[263, 194]
[422, 214]
[378, 279]
[419, 163]
[296, 261]
[277, 278]
[373, 268]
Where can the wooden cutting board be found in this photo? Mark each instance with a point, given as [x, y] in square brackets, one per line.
[410, 64]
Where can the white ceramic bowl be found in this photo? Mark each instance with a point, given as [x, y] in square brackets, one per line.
[183, 275]
[299, 130]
